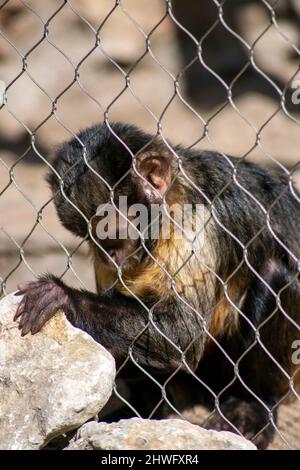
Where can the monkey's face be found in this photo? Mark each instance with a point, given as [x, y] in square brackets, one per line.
[99, 167]
[123, 219]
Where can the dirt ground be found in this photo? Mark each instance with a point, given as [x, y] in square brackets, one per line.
[31, 239]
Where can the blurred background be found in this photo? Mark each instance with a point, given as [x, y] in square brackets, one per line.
[218, 75]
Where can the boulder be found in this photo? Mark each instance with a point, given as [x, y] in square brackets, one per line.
[51, 382]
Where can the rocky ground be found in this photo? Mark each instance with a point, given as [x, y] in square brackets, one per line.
[31, 239]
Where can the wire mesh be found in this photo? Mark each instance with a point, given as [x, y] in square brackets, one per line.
[29, 236]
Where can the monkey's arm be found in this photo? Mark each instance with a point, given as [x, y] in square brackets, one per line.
[115, 321]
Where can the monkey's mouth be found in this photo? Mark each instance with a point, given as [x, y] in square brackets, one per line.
[116, 254]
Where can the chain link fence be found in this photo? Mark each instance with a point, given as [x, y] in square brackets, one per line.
[223, 75]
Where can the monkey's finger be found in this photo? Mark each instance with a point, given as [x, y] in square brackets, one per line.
[27, 304]
[41, 309]
[23, 287]
[34, 301]
[42, 318]
[42, 290]
[41, 305]
[19, 311]
[27, 319]
[26, 287]
[37, 326]
[25, 329]
[23, 320]
[23, 307]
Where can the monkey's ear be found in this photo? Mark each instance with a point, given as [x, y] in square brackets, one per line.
[154, 173]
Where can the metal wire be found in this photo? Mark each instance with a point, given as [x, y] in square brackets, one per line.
[68, 8]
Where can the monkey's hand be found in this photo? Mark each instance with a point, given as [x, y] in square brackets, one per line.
[41, 300]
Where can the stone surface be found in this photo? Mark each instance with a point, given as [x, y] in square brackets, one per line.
[143, 434]
[51, 382]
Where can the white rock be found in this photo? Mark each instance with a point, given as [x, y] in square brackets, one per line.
[144, 434]
[51, 382]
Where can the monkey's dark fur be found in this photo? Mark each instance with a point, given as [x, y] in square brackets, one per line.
[245, 279]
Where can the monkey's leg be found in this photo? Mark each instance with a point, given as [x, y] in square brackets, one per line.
[267, 364]
[120, 323]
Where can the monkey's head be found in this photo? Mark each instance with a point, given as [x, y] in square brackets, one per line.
[101, 175]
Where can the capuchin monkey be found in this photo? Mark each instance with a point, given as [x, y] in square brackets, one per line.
[212, 313]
